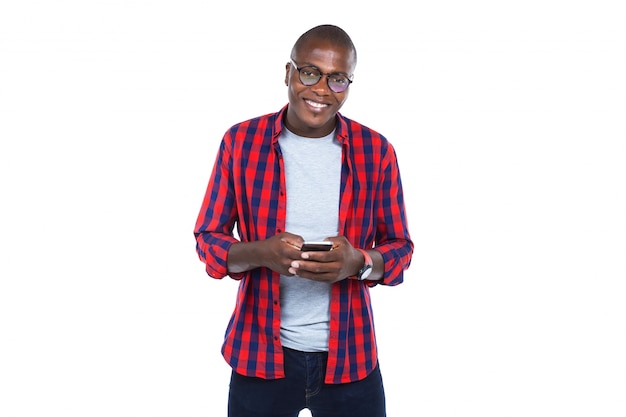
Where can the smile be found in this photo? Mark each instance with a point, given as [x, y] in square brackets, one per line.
[316, 104]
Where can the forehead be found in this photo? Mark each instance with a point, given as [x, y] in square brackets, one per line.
[326, 55]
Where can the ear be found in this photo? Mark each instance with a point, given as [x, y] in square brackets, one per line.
[287, 70]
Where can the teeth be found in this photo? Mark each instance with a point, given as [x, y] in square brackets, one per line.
[314, 104]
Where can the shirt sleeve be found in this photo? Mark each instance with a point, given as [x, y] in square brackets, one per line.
[393, 240]
[218, 214]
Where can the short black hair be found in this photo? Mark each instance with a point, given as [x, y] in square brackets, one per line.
[326, 32]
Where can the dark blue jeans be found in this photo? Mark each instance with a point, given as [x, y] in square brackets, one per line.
[304, 387]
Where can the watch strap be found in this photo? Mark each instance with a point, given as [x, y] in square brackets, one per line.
[366, 269]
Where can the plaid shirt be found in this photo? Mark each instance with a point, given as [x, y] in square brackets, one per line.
[247, 189]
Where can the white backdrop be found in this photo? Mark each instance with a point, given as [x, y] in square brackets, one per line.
[509, 122]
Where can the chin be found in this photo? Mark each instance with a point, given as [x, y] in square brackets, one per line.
[319, 120]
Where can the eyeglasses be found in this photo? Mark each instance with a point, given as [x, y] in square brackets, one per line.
[311, 75]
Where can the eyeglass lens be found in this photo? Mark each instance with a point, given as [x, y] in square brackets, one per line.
[336, 82]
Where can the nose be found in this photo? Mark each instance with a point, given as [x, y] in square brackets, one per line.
[321, 87]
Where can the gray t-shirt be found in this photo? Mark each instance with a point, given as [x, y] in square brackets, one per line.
[313, 176]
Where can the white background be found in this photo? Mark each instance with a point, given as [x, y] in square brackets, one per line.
[509, 123]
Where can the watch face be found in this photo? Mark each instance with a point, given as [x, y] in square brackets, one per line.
[365, 272]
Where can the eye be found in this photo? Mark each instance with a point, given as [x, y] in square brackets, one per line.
[309, 72]
[338, 79]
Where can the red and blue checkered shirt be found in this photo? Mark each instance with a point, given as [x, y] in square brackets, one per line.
[247, 190]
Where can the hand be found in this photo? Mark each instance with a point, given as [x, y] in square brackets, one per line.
[328, 266]
[280, 250]
[275, 253]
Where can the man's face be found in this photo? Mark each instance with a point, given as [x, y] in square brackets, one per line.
[312, 109]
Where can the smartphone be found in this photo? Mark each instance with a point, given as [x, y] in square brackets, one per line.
[313, 246]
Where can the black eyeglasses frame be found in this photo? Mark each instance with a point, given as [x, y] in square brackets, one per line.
[322, 74]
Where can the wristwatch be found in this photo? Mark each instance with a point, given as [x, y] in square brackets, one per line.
[366, 269]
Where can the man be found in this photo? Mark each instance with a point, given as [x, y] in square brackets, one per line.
[302, 332]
